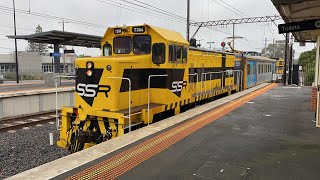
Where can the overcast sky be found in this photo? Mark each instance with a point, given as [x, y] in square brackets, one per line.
[102, 14]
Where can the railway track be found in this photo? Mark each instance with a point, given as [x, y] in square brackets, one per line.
[27, 120]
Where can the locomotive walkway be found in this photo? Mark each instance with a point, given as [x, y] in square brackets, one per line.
[263, 134]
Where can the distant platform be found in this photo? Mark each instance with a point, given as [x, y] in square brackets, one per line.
[266, 132]
[31, 85]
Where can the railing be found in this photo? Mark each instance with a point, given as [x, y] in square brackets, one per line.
[210, 73]
[223, 74]
[129, 81]
[57, 109]
[149, 79]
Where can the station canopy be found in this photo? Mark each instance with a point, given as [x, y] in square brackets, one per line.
[62, 38]
[299, 10]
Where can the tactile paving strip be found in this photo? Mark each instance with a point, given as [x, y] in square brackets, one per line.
[126, 160]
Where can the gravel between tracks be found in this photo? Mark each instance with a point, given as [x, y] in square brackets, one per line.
[28, 148]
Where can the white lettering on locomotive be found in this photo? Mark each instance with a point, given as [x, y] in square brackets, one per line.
[87, 90]
[178, 85]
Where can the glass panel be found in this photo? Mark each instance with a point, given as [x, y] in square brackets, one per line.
[178, 54]
[184, 54]
[142, 44]
[172, 54]
[122, 45]
[158, 53]
[107, 50]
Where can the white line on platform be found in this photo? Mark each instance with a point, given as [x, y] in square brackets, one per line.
[44, 117]
[33, 120]
[19, 122]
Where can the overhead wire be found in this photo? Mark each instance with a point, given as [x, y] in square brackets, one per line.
[234, 8]
[227, 8]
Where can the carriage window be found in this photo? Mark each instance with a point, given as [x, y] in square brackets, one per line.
[248, 69]
[122, 45]
[107, 50]
[158, 53]
[184, 54]
[142, 44]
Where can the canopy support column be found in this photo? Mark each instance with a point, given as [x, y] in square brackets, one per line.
[316, 80]
[56, 58]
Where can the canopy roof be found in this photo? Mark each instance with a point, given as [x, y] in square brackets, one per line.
[63, 38]
[299, 10]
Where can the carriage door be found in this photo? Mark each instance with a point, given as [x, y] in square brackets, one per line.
[254, 71]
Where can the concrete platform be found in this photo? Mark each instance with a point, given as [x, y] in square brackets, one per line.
[27, 86]
[272, 137]
[33, 97]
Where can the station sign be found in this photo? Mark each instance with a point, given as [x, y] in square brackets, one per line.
[55, 54]
[299, 26]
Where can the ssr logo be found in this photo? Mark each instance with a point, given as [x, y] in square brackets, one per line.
[178, 85]
[91, 90]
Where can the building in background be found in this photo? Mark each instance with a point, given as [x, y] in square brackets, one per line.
[32, 65]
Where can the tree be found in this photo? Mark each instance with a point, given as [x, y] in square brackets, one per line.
[37, 47]
[307, 57]
[307, 60]
[275, 50]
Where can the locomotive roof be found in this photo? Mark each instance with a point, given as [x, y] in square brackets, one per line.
[169, 35]
[212, 51]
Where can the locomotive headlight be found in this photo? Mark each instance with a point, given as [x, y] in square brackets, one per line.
[89, 73]
[89, 65]
[109, 67]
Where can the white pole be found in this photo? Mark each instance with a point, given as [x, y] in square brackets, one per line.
[51, 139]
[129, 104]
[57, 119]
[317, 79]
[129, 94]
[149, 79]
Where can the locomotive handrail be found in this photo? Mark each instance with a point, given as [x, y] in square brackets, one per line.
[149, 79]
[129, 81]
[56, 84]
[210, 78]
[195, 74]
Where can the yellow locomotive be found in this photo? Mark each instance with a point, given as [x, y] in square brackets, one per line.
[146, 73]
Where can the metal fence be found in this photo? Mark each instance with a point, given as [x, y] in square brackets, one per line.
[308, 73]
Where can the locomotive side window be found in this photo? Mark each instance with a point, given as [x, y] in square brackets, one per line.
[122, 45]
[172, 53]
[158, 53]
[178, 54]
[107, 50]
[142, 44]
[184, 54]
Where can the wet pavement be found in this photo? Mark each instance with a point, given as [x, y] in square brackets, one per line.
[270, 137]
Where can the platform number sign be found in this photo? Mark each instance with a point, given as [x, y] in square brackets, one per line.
[140, 29]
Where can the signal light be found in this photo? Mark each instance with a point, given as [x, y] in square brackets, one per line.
[89, 65]
[89, 73]
[223, 44]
